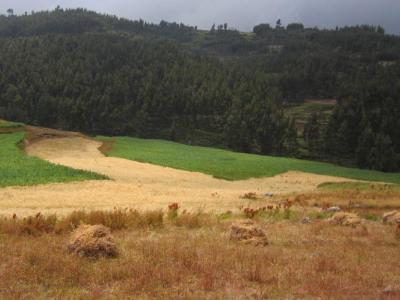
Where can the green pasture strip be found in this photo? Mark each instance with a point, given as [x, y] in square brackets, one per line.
[230, 165]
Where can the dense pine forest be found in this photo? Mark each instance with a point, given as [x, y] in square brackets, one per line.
[79, 70]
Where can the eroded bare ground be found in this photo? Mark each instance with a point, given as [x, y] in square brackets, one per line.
[135, 185]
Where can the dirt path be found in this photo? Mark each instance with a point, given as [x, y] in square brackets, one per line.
[136, 185]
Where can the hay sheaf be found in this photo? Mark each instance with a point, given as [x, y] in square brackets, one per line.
[93, 242]
[248, 232]
[392, 217]
[345, 219]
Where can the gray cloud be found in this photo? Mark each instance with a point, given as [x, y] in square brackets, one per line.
[240, 14]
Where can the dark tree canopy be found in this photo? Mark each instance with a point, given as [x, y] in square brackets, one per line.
[76, 69]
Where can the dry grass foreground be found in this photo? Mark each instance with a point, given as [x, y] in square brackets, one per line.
[195, 259]
[134, 185]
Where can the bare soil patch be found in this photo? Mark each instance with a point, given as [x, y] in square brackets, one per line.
[36, 134]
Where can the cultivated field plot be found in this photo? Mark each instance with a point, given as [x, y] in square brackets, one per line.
[137, 185]
[230, 165]
[177, 173]
[18, 169]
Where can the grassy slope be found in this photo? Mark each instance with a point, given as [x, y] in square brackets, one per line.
[230, 165]
[6, 124]
[17, 169]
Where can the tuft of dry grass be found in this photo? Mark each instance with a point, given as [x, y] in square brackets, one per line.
[193, 220]
[32, 225]
[249, 196]
[117, 219]
[271, 212]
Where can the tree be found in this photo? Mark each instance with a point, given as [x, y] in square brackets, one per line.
[261, 29]
[236, 130]
[365, 146]
[295, 27]
[212, 29]
[279, 24]
[383, 156]
[163, 24]
[312, 133]
[10, 12]
[291, 145]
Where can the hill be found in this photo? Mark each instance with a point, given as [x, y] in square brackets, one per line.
[175, 231]
[83, 71]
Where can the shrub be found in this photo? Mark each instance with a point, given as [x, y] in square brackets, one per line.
[270, 212]
[371, 217]
[173, 211]
[320, 215]
[226, 215]
[250, 196]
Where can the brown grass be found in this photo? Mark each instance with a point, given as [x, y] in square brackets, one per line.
[115, 220]
[376, 201]
[162, 259]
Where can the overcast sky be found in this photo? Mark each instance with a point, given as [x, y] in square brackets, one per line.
[241, 14]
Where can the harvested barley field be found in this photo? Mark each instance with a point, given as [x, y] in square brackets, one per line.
[137, 185]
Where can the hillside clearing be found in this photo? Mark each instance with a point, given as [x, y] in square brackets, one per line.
[230, 165]
[303, 111]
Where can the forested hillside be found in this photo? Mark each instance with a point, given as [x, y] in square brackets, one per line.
[76, 69]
